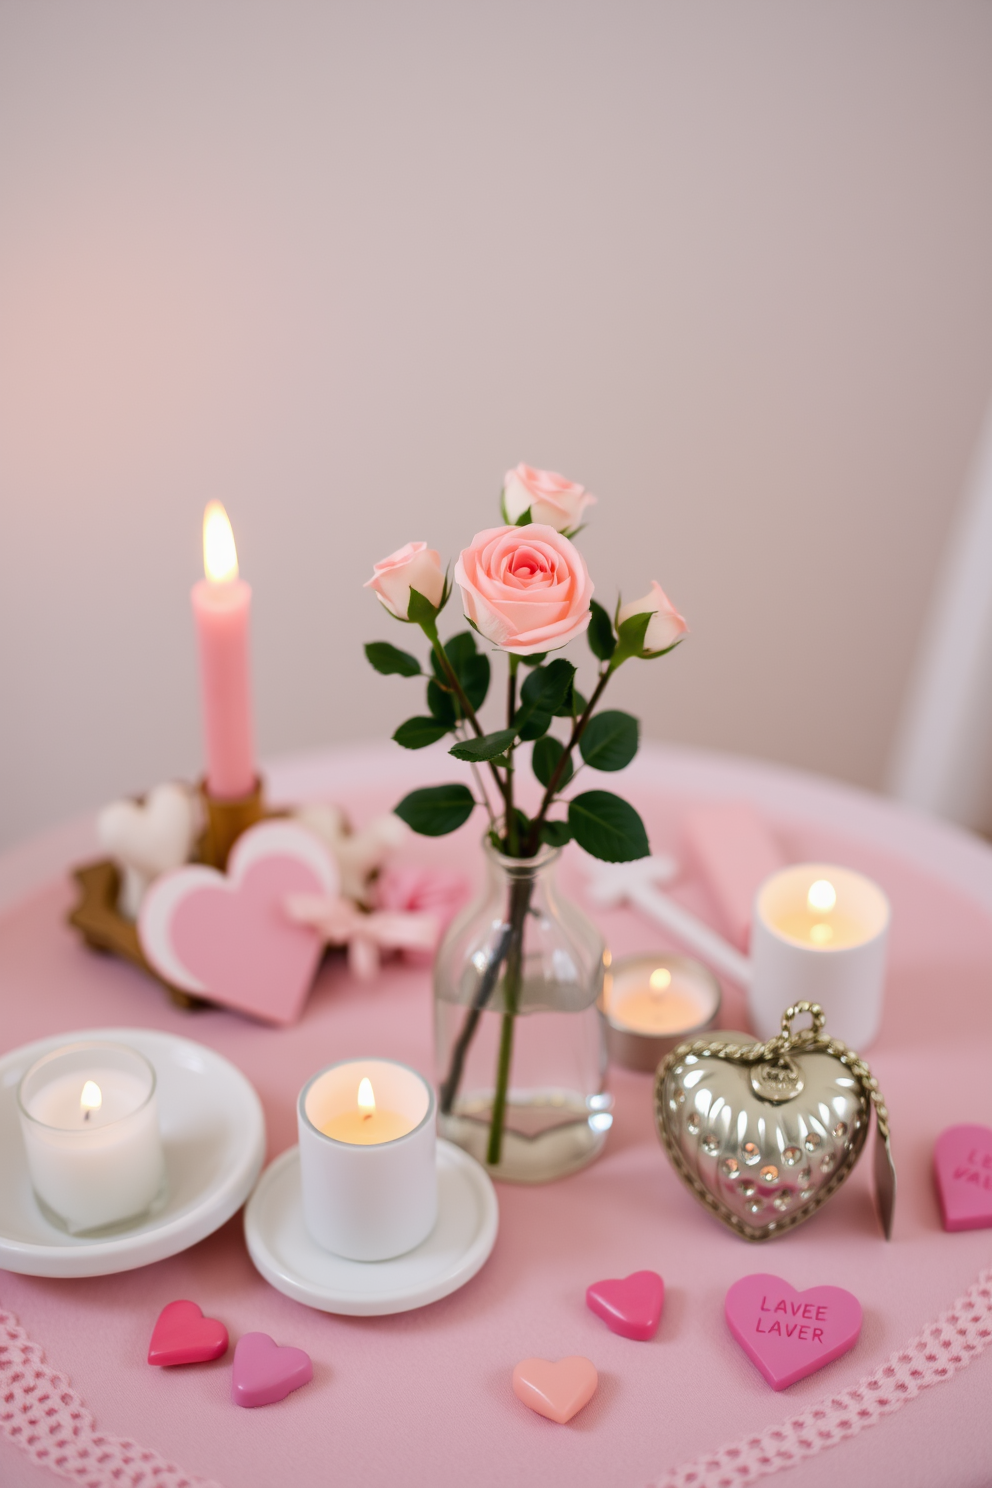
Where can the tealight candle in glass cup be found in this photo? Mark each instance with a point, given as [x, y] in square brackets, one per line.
[89, 1119]
[368, 1166]
[820, 934]
[654, 1002]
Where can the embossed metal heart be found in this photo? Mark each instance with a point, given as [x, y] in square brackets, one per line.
[763, 1134]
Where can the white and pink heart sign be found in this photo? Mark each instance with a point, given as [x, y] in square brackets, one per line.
[228, 937]
[790, 1334]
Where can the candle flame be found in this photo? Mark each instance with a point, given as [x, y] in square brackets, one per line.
[92, 1097]
[822, 896]
[220, 556]
[821, 934]
[366, 1098]
[661, 979]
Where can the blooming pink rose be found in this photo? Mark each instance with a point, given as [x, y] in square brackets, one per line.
[415, 566]
[553, 500]
[666, 625]
[527, 589]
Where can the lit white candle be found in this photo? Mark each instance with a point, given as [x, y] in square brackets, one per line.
[367, 1159]
[820, 934]
[89, 1120]
[652, 1003]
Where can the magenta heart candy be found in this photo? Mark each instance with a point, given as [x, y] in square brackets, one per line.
[962, 1160]
[264, 1372]
[631, 1307]
[228, 937]
[182, 1335]
[791, 1334]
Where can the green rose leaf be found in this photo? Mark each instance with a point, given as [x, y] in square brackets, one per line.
[421, 611]
[437, 810]
[544, 760]
[607, 828]
[471, 669]
[442, 705]
[556, 833]
[389, 660]
[609, 740]
[486, 748]
[538, 659]
[573, 706]
[417, 733]
[536, 725]
[602, 641]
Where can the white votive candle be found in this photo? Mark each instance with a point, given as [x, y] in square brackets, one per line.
[820, 934]
[367, 1158]
[652, 1003]
[89, 1120]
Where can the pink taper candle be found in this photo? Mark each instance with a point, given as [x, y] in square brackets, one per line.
[221, 607]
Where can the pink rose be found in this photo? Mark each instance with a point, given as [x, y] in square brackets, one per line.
[551, 499]
[666, 625]
[527, 589]
[415, 566]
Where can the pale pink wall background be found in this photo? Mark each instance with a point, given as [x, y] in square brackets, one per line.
[340, 264]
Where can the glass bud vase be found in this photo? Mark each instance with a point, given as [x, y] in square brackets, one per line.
[519, 1037]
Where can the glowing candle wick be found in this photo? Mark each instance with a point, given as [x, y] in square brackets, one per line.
[91, 1099]
[660, 980]
[366, 1099]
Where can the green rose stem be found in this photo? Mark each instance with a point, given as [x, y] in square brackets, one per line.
[520, 896]
[430, 631]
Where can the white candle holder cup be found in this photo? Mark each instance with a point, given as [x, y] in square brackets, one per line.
[375, 1202]
[100, 1172]
[847, 979]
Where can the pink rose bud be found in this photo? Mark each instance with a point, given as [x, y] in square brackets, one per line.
[666, 625]
[414, 566]
[527, 589]
[550, 498]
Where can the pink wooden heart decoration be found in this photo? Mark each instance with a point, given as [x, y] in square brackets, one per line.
[265, 1372]
[791, 1334]
[556, 1390]
[228, 936]
[631, 1307]
[962, 1160]
[182, 1335]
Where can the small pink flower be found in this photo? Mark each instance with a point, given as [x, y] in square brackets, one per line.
[527, 589]
[552, 500]
[417, 890]
[414, 566]
[666, 625]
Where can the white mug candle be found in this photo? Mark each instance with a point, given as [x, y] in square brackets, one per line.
[367, 1158]
[89, 1120]
[820, 934]
[654, 1002]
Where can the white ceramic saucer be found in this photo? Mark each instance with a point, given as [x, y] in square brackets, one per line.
[460, 1244]
[213, 1131]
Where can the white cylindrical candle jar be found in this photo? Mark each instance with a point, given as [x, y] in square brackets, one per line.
[367, 1159]
[653, 1003]
[820, 934]
[89, 1119]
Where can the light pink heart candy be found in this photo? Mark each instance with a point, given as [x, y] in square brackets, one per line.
[631, 1307]
[791, 1334]
[265, 1372]
[228, 937]
[962, 1160]
[556, 1389]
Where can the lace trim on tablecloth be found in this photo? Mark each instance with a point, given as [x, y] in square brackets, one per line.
[41, 1413]
[959, 1335]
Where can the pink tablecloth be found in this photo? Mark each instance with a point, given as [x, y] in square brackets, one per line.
[424, 1398]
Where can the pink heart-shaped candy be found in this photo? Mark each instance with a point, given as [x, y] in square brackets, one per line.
[790, 1334]
[631, 1307]
[962, 1160]
[182, 1335]
[265, 1372]
[556, 1390]
[228, 937]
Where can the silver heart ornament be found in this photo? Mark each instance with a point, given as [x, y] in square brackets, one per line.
[764, 1134]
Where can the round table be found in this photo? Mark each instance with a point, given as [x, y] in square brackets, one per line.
[424, 1398]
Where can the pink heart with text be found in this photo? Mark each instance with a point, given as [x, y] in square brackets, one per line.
[791, 1334]
[962, 1160]
[631, 1307]
[227, 937]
